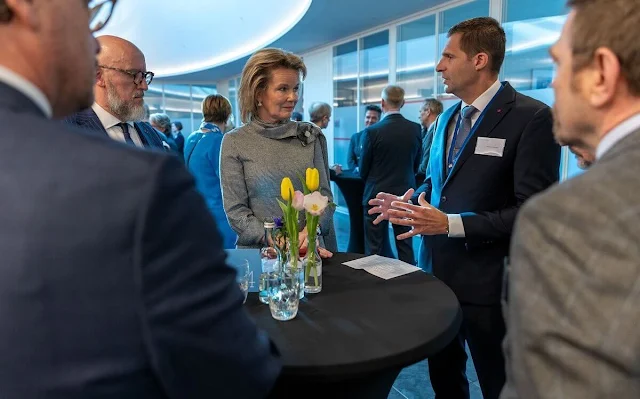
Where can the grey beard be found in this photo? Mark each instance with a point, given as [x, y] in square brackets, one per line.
[124, 110]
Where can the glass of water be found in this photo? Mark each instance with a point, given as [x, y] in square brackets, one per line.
[284, 297]
[242, 277]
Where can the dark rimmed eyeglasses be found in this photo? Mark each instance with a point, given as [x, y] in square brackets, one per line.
[100, 12]
[136, 75]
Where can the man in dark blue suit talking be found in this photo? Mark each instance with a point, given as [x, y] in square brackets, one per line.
[97, 298]
[491, 152]
[389, 162]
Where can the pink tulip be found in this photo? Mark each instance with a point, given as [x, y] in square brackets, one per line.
[298, 201]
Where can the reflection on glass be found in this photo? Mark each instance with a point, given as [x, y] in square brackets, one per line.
[531, 28]
[345, 74]
[374, 67]
[448, 18]
[416, 55]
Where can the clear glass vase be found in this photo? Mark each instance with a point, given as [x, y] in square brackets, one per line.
[284, 296]
[293, 265]
[312, 265]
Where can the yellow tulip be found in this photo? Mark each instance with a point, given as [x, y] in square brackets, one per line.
[313, 179]
[286, 189]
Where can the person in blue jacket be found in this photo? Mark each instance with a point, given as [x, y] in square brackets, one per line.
[202, 157]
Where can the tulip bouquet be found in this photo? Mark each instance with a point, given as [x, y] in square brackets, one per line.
[314, 205]
[290, 210]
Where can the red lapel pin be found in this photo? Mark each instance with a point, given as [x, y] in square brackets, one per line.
[499, 110]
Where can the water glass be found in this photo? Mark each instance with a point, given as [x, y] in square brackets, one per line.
[268, 281]
[284, 297]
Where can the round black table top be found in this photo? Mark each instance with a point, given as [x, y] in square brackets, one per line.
[361, 324]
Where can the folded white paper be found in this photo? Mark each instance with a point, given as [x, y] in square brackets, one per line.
[379, 266]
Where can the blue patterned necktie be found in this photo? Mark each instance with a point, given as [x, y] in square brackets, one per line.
[465, 129]
[125, 131]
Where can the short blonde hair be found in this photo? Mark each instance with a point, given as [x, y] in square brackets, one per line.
[393, 95]
[256, 74]
[216, 108]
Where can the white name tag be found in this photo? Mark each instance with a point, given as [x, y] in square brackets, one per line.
[490, 146]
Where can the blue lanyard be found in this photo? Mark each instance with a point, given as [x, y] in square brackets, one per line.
[451, 160]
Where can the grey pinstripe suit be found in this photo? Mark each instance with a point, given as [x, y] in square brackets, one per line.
[574, 294]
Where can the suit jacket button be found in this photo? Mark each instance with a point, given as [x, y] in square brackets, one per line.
[443, 199]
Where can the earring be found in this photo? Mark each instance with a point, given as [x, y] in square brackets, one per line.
[259, 103]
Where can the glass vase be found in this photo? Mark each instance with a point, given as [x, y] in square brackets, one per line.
[293, 265]
[312, 265]
[284, 296]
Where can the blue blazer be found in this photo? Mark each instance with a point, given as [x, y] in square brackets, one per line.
[149, 136]
[202, 157]
[390, 156]
[487, 191]
[97, 297]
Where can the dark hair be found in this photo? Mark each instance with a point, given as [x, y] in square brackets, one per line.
[5, 12]
[482, 35]
[178, 125]
[611, 24]
[373, 108]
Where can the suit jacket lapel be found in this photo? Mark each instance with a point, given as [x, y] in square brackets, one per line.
[90, 120]
[438, 153]
[10, 98]
[497, 110]
[142, 134]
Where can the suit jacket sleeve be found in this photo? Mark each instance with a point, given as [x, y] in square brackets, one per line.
[352, 159]
[200, 341]
[573, 280]
[426, 149]
[536, 167]
[235, 196]
[366, 157]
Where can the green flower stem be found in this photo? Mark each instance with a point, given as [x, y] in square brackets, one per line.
[312, 226]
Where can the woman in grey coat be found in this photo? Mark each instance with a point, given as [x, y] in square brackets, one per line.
[255, 157]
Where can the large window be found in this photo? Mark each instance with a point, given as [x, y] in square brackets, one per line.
[531, 28]
[374, 67]
[345, 98]
[416, 52]
[180, 102]
[448, 18]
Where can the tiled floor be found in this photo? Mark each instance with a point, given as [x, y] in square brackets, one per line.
[413, 382]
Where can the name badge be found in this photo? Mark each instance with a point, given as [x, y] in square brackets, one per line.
[490, 146]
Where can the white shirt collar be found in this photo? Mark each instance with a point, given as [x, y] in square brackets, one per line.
[108, 121]
[617, 134]
[485, 98]
[27, 88]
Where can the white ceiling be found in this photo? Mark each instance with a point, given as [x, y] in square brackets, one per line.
[325, 21]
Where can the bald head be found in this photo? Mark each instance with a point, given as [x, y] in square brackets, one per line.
[119, 87]
[116, 50]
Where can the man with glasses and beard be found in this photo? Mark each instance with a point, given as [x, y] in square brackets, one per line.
[97, 297]
[121, 81]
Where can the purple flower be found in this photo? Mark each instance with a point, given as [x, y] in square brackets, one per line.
[278, 222]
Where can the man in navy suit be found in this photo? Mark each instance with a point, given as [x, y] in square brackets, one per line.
[121, 81]
[490, 153]
[372, 115]
[97, 298]
[390, 159]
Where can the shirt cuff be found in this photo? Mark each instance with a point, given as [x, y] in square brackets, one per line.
[456, 227]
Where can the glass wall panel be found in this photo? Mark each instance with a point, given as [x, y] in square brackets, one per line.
[415, 59]
[374, 66]
[448, 18]
[531, 28]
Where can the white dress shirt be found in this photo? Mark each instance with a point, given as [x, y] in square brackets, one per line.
[617, 134]
[27, 88]
[110, 122]
[456, 227]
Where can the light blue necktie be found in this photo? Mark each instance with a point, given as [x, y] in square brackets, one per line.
[463, 132]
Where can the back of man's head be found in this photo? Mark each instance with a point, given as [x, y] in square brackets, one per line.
[319, 110]
[392, 98]
[482, 35]
[50, 44]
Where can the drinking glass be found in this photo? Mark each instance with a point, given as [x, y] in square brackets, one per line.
[242, 277]
[284, 297]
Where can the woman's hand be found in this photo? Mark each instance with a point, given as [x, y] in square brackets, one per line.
[304, 244]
